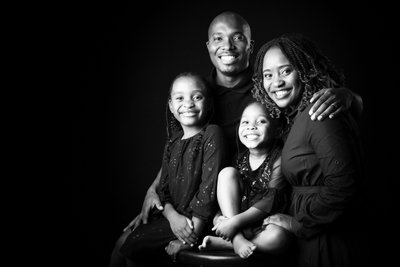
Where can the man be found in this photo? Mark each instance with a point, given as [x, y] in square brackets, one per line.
[230, 46]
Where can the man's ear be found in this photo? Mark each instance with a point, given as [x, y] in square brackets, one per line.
[251, 46]
[207, 43]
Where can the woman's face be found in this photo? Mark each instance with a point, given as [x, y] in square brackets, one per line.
[280, 79]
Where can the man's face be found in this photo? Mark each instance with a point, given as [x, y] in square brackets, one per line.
[229, 45]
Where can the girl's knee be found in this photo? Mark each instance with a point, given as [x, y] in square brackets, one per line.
[275, 239]
[228, 174]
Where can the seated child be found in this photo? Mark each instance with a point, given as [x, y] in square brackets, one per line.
[252, 190]
[193, 157]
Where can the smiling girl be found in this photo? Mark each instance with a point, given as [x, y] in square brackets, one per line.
[193, 157]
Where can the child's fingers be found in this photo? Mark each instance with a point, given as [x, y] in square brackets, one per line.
[215, 227]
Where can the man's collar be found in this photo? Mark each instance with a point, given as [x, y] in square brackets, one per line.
[241, 87]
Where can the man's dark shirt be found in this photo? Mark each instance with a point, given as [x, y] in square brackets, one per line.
[228, 108]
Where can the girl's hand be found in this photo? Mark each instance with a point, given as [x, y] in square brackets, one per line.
[183, 229]
[225, 227]
[284, 221]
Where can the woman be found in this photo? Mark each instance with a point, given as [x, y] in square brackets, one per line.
[320, 159]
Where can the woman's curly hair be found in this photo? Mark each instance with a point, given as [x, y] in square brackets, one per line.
[315, 70]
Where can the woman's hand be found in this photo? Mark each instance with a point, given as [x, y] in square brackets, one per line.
[284, 221]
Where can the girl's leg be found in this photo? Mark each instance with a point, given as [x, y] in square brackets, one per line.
[145, 246]
[273, 239]
[229, 194]
[229, 191]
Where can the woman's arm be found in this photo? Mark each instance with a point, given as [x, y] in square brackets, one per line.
[335, 146]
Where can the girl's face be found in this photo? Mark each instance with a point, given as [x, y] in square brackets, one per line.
[280, 79]
[255, 128]
[188, 102]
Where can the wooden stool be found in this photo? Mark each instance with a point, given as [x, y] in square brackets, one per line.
[228, 258]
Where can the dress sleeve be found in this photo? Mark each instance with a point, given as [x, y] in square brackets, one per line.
[274, 199]
[338, 155]
[204, 203]
[163, 190]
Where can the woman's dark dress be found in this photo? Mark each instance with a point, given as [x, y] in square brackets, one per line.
[188, 181]
[322, 162]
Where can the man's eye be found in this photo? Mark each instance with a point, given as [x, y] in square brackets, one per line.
[238, 37]
[217, 39]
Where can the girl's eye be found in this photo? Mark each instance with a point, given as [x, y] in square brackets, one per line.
[198, 97]
[179, 98]
[261, 121]
[267, 76]
[244, 122]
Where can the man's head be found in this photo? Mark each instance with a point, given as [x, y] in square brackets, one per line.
[229, 43]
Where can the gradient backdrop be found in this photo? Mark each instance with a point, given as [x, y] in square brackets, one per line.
[126, 57]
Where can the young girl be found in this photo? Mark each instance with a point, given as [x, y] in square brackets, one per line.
[251, 190]
[193, 157]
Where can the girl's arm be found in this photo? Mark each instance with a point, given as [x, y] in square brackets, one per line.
[204, 203]
[230, 226]
[179, 225]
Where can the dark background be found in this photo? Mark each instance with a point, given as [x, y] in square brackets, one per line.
[126, 57]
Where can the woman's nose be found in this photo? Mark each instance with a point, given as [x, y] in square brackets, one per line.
[277, 81]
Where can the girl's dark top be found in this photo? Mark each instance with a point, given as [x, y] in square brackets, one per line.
[322, 162]
[264, 188]
[189, 172]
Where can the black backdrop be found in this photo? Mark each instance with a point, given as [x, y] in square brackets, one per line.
[126, 57]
